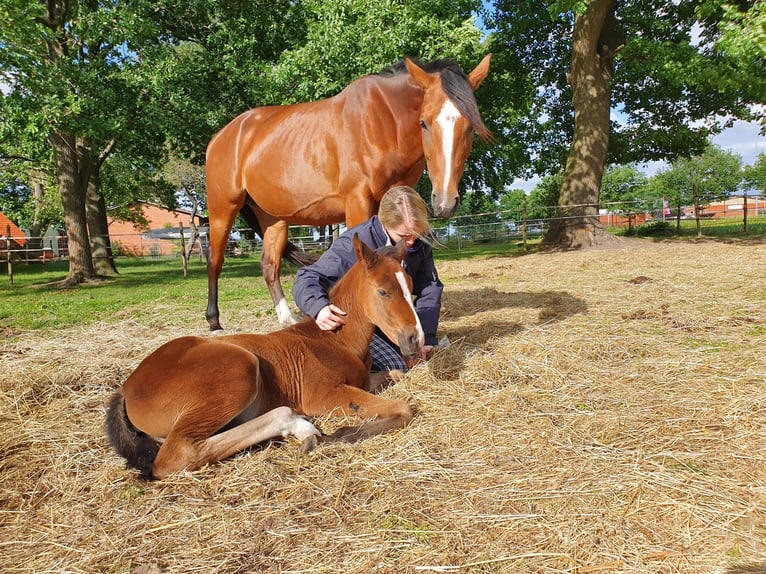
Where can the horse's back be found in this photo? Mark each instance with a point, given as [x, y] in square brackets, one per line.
[182, 375]
[304, 162]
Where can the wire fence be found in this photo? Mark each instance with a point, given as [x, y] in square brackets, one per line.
[510, 226]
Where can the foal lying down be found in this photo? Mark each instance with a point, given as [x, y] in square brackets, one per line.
[198, 400]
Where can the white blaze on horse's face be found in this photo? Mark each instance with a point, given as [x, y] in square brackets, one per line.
[446, 120]
[446, 145]
[409, 298]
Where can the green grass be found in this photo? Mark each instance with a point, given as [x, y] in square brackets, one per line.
[37, 301]
[726, 228]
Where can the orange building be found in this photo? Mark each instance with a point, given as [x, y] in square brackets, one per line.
[161, 236]
[10, 235]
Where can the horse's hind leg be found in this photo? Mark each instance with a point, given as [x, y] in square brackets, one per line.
[180, 452]
[225, 199]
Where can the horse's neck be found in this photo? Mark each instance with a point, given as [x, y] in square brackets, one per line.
[356, 334]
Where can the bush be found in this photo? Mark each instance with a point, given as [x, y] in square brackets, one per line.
[655, 229]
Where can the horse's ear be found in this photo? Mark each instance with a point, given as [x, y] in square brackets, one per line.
[476, 77]
[418, 74]
[400, 251]
[363, 251]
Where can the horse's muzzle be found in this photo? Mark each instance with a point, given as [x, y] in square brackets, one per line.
[444, 209]
[410, 341]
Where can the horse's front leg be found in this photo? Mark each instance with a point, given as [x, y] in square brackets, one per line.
[344, 400]
[274, 242]
[360, 206]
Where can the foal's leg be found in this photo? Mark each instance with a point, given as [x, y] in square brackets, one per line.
[389, 414]
[182, 452]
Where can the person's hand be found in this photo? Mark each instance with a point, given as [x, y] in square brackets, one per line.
[330, 317]
[425, 352]
[421, 357]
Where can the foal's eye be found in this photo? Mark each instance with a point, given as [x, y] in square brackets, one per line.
[383, 293]
[423, 124]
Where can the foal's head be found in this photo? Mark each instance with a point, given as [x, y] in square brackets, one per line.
[385, 295]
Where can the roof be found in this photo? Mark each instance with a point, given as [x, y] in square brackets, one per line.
[17, 234]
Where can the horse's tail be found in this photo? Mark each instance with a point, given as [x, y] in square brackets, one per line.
[138, 449]
[292, 252]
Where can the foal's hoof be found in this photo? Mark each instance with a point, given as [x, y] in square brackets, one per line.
[309, 443]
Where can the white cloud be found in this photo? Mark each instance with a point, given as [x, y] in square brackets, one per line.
[744, 139]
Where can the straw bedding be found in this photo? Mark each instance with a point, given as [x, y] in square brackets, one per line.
[600, 411]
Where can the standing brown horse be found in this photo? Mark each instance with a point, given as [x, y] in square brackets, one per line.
[332, 160]
[198, 400]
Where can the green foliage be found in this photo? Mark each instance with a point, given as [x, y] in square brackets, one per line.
[702, 179]
[545, 196]
[623, 184]
[479, 204]
[742, 27]
[513, 201]
[755, 175]
[667, 89]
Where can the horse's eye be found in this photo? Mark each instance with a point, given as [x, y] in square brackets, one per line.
[383, 293]
[423, 124]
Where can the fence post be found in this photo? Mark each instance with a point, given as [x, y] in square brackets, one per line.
[8, 253]
[744, 217]
[524, 221]
[183, 249]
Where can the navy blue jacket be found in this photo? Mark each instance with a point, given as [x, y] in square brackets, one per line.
[313, 282]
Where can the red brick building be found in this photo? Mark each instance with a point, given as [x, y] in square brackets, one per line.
[158, 237]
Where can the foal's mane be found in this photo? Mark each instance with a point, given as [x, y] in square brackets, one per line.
[455, 85]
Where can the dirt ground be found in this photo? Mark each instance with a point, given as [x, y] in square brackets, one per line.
[600, 411]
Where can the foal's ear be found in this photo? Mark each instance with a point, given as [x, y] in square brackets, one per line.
[363, 251]
[399, 252]
[476, 77]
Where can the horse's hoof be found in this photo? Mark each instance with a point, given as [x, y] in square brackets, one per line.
[309, 443]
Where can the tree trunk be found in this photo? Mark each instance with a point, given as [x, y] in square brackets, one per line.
[35, 244]
[98, 227]
[73, 173]
[594, 44]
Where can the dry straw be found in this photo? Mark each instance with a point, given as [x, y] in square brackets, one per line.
[600, 411]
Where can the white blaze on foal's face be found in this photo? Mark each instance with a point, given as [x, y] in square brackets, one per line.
[409, 298]
[446, 120]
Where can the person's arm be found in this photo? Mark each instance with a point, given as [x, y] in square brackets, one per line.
[428, 289]
[313, 283]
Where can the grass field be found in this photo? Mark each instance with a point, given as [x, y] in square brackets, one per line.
[598, 411]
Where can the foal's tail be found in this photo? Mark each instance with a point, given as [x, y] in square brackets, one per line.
[137, 448]
[292, 252]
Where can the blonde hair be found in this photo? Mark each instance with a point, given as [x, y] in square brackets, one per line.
[402, 205]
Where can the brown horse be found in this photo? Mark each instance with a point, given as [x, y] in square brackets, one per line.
[198, 400]
[332, 160]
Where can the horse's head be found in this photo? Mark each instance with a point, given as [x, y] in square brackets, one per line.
[448, 119]
[387, 295]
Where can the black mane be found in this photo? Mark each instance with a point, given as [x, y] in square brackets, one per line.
[455, 85]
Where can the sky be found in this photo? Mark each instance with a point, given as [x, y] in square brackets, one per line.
[742, 138]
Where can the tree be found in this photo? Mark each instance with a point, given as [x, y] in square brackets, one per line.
[623, 184]
[755, 175]
[700, 180]
[71, 67]
[669, 83]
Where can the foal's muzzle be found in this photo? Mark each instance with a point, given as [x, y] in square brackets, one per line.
[410, 341]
